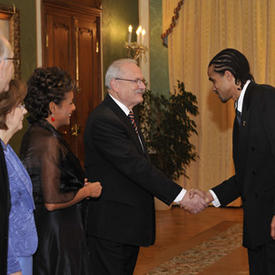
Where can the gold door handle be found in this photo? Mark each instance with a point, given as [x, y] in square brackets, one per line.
[76, 54]
[75, 130]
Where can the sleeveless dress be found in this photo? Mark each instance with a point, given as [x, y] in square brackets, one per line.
[56, 176]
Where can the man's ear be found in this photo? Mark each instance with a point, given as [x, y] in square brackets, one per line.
[229, 75]
[114, 85]
[239, 85]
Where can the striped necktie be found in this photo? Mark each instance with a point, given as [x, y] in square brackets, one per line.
[131, 116]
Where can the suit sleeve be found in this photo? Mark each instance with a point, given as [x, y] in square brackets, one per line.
[111, 139]
[227, 191]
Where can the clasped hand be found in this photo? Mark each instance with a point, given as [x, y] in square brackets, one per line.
[194, 201]
[94, 188]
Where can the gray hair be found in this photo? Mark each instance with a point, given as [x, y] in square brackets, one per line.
[5, 48]
[114, 70]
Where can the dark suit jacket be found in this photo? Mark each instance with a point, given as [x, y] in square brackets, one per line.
[254, 159]
[114, 156]
[4, 213]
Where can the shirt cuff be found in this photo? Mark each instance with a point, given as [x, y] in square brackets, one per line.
[180, 196]
[216, 201]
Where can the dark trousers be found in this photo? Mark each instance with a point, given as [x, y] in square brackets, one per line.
[111, 258]
[262, 259]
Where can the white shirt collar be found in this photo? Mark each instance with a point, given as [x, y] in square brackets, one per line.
[121, 105]
[241, 97]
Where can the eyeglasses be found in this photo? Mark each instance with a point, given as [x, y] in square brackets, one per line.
[21, 106]
[137, 81]
[13, 59]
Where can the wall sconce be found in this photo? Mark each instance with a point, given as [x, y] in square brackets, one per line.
[136, 49]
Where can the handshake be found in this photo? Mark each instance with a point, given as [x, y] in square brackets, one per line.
[194, 201]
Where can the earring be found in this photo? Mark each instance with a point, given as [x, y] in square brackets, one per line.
[52, 119]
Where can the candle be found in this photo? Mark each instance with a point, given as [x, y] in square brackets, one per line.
[130, 28]
[143, 32]
[138, 32]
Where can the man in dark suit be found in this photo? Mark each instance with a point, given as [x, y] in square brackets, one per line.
[123, 218]
[253, 154]
[6, 73]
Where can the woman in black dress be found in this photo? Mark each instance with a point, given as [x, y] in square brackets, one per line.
[58, 181]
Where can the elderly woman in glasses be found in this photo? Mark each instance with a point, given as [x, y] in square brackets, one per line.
[22, 236]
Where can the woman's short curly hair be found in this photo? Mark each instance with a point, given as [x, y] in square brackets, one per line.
[44, 86]
[10, 99]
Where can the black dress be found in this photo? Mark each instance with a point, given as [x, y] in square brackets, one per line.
[56, 176]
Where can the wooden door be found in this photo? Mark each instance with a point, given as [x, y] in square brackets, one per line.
[72, 42]
[59, 43]
[88, 74]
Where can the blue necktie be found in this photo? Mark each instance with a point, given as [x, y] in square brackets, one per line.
[239, 116]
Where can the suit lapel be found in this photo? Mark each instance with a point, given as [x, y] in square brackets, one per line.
[126, 121]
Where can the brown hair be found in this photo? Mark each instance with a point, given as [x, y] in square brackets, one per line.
[10, 99]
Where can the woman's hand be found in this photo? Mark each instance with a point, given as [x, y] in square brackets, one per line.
[16, 273]
[90, 189]
[93, 189]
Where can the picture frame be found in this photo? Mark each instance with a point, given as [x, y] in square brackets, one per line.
[10, 28]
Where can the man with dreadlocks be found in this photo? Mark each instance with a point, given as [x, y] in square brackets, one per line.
[253, 154]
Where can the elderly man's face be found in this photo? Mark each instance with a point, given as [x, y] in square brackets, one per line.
[6, 73]
[129, 86]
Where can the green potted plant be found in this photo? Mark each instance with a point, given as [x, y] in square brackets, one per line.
[167, 127]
